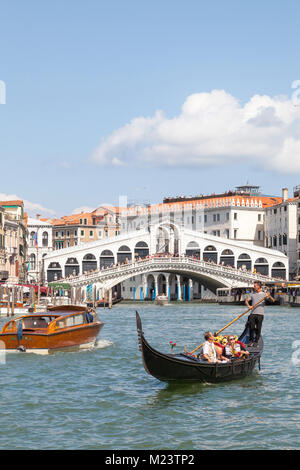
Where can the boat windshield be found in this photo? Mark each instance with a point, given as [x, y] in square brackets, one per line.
[37, 322]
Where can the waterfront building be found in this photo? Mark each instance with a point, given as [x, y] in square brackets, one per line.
[15, 241]
[297, 198]
[237, 215]
[86, 227]
[281, 229]
[3, 273]
[39, 245]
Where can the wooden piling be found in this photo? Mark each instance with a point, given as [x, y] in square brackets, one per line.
[110, 298]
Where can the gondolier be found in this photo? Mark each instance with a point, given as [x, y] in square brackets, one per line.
[256, 316]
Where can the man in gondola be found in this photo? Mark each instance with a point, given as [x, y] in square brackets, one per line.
[256, 316]
[210, 352]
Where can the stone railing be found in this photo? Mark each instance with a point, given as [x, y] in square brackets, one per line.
[180, 264]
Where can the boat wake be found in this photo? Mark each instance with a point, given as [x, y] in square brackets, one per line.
[103, 343]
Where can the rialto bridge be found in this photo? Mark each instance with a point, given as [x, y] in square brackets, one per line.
[165, 250]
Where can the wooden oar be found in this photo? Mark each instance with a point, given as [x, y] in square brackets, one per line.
[226, 326]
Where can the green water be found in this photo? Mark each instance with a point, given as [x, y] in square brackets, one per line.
[103, 398]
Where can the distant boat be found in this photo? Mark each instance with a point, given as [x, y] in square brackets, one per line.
[63, 328]
[183, 367]
[16, 308]
[101, 303]
[161, 299]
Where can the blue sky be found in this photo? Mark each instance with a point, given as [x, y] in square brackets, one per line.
[78, 73]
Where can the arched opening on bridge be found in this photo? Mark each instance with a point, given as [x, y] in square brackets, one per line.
[173, 286]
[89, 263]
[193, 250]
[227, 258]
[124, 254]
[161, 283]
[106, 259]
[71, 267]
[141, 250]
[162, 240]
[54, 272]
[279, 270]
[244, 262]
[167, 238]
[150, 287]
[210, 254]
[261, 266]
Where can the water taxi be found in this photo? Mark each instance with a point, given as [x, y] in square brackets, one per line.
[63, 327]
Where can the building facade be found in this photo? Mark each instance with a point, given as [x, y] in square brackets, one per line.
[15, 241]
[84, 228]
[281, 229]
[3, 272]
[39, 245]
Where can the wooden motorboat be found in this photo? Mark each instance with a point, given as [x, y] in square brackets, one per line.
[59, 328]
[183, 367]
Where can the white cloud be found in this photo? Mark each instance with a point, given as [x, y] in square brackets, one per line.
[212, 129]
[82, 209]
[32, 208]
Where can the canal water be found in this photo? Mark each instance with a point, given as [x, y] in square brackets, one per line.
[103, 398]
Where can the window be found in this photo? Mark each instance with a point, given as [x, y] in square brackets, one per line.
[259, 217]
[68, 233]
[259, 235]
[85, 221]
[235, 233]
[33, 238]
[205, 218]
[99, 234]
[82, 233]
[235, 216]
[227, 215]
[80, 221]
[45, 239]
[91, 233]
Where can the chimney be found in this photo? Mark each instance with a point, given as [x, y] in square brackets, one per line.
[285, 194]
[38, 216]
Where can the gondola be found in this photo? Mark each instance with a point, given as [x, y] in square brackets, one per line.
[183, 367]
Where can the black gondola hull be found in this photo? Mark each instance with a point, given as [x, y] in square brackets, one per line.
[169, 367]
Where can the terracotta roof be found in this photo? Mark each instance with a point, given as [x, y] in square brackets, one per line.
[11, 203]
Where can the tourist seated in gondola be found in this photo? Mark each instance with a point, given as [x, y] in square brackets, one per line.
[234, 349]
[210, 352]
